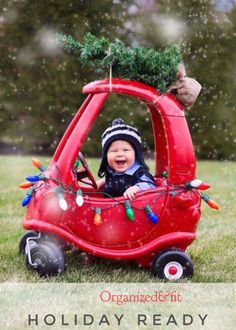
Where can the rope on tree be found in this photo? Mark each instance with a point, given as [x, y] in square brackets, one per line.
[155, 68]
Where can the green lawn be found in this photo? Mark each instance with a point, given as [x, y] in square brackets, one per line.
[213, 253]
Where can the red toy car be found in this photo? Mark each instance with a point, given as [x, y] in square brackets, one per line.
[154, 229]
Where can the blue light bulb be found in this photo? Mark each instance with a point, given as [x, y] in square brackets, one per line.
[27, 197]
[26, 200]
[153, 217]
[35, 178]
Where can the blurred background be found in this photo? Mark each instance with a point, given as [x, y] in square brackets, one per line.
[40, 85]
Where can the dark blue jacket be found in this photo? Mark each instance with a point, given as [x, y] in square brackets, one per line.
[117, 183]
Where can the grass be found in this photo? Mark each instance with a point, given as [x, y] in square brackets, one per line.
[213, 253]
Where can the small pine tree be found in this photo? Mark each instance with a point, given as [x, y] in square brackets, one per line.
[155, 68]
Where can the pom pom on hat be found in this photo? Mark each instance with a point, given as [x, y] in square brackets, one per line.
[120, 131]
[117, 121]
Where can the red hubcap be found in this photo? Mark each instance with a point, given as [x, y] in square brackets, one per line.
[173, 270]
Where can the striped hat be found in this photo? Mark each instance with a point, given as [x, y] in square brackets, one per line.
[120, 131]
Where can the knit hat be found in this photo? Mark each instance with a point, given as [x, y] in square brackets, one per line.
[120, 131]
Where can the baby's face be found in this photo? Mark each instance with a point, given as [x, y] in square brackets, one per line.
[120, 156]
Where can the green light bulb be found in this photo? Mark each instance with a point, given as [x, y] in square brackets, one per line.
[129, 211]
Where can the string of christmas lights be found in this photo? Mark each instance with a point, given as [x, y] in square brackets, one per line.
[62, 189]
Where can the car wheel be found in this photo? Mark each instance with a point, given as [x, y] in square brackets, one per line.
[22, 244]
[172, 265]
[46, 258]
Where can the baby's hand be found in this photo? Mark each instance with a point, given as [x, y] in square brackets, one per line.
[131, 191]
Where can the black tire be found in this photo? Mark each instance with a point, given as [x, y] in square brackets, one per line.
[22, 244]
[171, 265]
[48, 258]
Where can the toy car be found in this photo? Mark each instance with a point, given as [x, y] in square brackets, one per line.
[154, 230]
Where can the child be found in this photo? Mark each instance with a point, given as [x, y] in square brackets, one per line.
[122, 163]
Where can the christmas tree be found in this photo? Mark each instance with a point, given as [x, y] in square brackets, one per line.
[155, 68]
